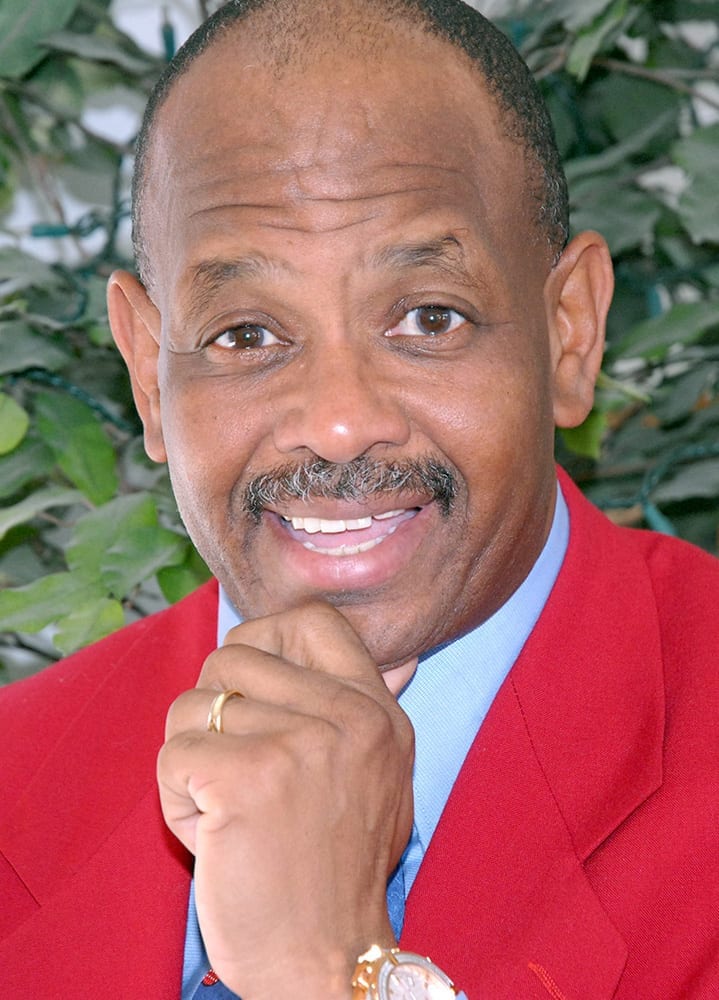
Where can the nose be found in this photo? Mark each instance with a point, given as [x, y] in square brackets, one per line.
[339, 405]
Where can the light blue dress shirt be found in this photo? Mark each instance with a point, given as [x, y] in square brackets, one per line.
[446, 700]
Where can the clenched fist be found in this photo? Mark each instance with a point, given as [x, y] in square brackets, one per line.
[299, 810]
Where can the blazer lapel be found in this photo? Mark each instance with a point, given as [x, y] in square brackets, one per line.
[87, 841]
[570, 747]
[501, 900]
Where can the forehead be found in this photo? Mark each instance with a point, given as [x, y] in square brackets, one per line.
[327, 145]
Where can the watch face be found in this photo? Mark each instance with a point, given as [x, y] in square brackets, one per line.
[414, 978]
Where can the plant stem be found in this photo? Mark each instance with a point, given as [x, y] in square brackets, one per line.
[668, 79]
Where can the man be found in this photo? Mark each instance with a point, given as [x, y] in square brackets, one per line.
[358, 322]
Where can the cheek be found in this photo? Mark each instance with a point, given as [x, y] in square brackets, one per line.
[208, 441]
[495, 414]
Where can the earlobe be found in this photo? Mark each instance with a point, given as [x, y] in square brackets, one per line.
[577, 296]
[135, 324]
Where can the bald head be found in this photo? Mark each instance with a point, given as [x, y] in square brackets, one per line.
[293, 35]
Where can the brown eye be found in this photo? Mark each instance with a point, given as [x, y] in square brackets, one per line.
[428, 321]
[245, 337]
[433, 320]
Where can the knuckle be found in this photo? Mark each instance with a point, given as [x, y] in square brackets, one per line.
[405, 731]
[376, 723]
[317, 612]
[220, 669]
[176, 714]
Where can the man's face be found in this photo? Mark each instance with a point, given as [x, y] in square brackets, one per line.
[346, 265]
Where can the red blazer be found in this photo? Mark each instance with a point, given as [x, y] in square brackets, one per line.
[577, 857]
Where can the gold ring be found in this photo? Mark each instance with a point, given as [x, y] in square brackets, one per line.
[214, 718]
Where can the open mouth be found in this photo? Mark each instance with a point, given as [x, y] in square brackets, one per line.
[346, 537]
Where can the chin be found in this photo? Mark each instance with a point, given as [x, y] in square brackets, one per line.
[387, 642]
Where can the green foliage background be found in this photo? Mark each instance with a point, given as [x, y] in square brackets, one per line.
[89, 534]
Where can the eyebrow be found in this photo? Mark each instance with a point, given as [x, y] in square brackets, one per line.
[209, 276]
[446, 253]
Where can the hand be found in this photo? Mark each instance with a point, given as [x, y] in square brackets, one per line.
[299, 810]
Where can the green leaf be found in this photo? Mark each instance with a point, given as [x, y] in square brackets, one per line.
[124, 544]
[587, 438]
[570, 14]
[21, 348]
[178, 581]
[138, 556]
[681, 395]
[58, 85]
[89, 621]
[23, 25]
[36, 503]
[32, 461]
[19, 562]
[14, 423]
[625, 218]
[39, 604]
[102, 528]
[95, 48]
[80, 445]
[698, 207]
[617, 154]
[20, 271]
[591, 39]
[684, 323]
[696, 479]
[618, 97]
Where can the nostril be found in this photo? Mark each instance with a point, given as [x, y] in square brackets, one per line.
[340, 428]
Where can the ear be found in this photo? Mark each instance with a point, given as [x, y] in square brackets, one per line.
[136, 324]
[577, 295]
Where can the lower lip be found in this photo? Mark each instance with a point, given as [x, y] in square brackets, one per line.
[319, 571]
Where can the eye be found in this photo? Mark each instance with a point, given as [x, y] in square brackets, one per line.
[428, 321]
[244, 337]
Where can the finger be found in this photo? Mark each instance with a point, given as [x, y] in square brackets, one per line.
[262, 676]
[356, 704]
[221, 777]
[314, 635]
[263, 697]
[398, 677]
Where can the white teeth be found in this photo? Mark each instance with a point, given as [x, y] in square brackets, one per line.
[388, 514]
[314, 524]
[332, 527]
[309, 524]
[349, 550]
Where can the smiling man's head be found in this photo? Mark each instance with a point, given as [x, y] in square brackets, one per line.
[359, 332]
[291, 34]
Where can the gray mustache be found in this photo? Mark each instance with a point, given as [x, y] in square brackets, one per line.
[357, 480]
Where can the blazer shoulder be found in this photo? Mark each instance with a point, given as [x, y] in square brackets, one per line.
[36, 711]
[84, 670]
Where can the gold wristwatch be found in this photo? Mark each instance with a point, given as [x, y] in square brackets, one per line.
[391, 974]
